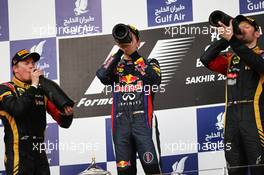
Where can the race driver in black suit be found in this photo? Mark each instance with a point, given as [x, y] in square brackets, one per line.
[244, 70]
[23, 108]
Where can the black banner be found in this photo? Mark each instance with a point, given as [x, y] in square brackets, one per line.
[185, 81]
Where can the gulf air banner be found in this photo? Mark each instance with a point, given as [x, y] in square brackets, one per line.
[4, 29]
[169, 12]
[185, 81]
[78, 17]
[45, 47]
[250, 6]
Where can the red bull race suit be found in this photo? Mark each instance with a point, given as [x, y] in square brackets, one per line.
[134, 125]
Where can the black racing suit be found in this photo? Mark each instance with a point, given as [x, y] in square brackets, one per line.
[244, 136]
[134, 126]
[23, 113]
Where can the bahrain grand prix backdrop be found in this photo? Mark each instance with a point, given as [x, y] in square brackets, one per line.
[185, 81]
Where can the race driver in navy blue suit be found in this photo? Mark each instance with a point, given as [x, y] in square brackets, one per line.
[134, 125]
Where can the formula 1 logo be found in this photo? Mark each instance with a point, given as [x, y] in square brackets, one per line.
[168, 52]
[96, 87]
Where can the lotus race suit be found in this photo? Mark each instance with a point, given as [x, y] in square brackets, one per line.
[23, 113]
[244, 136]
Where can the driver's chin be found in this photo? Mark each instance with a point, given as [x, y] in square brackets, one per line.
[242, 38]
[28, 79]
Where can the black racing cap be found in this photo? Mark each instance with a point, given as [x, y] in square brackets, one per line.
[134, 30]
[23, 55]
[251, 21]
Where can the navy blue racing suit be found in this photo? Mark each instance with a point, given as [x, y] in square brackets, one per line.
[134, 125]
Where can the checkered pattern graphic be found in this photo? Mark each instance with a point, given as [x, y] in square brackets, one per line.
[190, 137]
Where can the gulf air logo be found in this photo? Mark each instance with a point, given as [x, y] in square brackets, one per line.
[38, 48]
[179, 166]
[80, 7]
[220, 121]
[168, 2]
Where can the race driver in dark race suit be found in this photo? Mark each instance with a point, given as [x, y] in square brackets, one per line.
[23, 107]
[134, 125]
[244, 70]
